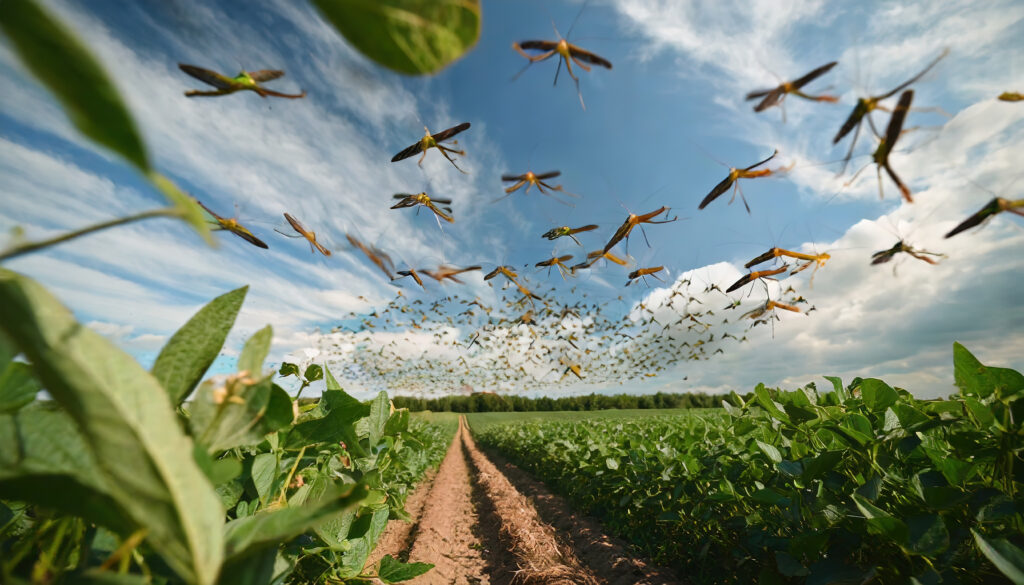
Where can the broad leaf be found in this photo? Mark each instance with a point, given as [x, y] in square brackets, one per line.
[18, 386]
[268, 528]
[127, 422]
[975, 379]
[391, 570]
[409, 36]
[1006, 557]
[877, 395]
[380, 411]
[193, 348]
[881, 522]
[43, 458]
[67, 68]
[255, 351]
[264, 474]
[227, 413]
[335, 422]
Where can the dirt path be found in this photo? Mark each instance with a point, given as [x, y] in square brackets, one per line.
[475, 524]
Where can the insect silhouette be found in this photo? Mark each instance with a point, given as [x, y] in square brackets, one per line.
[777, 95]
[634, 220]
[304, 233]
[567, 53]
[644, 273]
[752, 276]
[434, 141]
[245, 80]
[866, 105]
[558, 232]
[232, 225]
[531, 179]
[990, 210]
[884, 256]
[736, 174]
[886, 144]
[409, 200]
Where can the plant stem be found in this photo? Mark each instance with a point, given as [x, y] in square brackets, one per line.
[28, 247]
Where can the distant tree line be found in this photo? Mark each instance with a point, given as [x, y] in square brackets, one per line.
[491, 402]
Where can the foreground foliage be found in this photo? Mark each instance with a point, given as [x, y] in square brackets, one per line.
[862, 484]
[119, 479]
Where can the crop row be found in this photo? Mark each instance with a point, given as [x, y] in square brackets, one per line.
[119, 479]
[861, 484]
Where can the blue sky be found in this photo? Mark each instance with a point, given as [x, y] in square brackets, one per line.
[652, 130]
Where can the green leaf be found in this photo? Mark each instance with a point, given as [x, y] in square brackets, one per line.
[255, 352]
[837, 385]
[764, 398]
[928, 535]
[877, 395]
[408, 36]
[230, 413]
[770, 451]
[288, 369]
[391, 570]
[975, 379]
[43, 458]
[268, 528]
[127, 422]
[67, 68]
[279, 410]
[185, 205]
[881, 522]
[380, 410]
[980, 411]
[18, 387]
[193, 348]
[264, 473]
[338, 412]
[397, 423]
[313, 373]
[1005, 556]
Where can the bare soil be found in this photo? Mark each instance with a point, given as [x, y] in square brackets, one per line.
[487, 524]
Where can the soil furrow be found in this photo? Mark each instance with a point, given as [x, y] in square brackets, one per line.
[475, 524]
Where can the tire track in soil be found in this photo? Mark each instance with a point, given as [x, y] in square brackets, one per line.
[477, 527]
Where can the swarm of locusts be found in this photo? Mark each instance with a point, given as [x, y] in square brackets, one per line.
[523, 337]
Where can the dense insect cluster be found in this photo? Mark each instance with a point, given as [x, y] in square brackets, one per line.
[526, 338]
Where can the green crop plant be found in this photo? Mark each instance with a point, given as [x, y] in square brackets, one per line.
[864, 484]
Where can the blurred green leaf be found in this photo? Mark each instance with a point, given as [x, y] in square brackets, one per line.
[128, 423]
[18, 387]
[264, 473]
[279, 410]
[313, 373]
[408, 36]
[186, 206]
[68, 69]
[380, 410]
[43, 459]
[1006, 557]
[193, 348]
[228, 413]
[255, 352]
[392, 570]
[288, 369]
